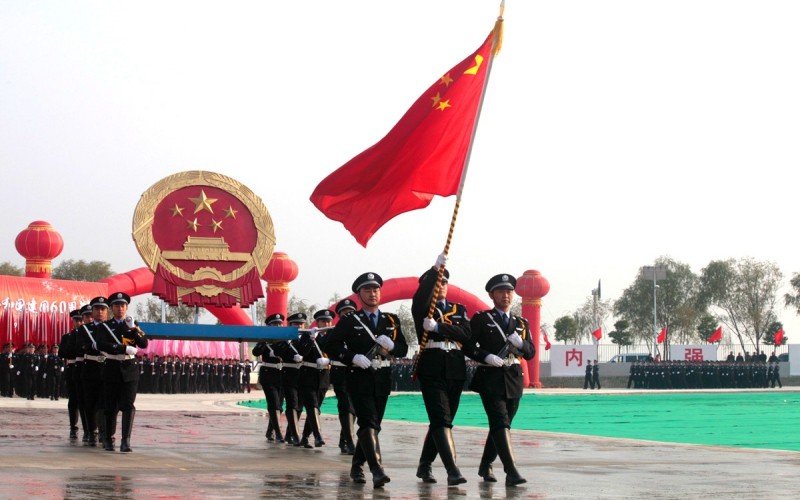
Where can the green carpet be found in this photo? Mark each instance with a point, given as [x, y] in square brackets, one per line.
[749, 420]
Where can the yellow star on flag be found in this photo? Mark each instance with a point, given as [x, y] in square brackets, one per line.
[436, 99]
[176, 210]
[202, 202]
[444, 105]
[446, 80]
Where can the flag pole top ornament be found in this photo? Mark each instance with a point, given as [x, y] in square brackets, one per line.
[206, 237]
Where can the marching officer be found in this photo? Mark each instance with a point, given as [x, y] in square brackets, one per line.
[344, 405]
[53, 372]
[366, 341]
[92, 370]
[500, 339]
[119, 339]
[270, 378]
[292, 360]
[314, 378]
[441, 370]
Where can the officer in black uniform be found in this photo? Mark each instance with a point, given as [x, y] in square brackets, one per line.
[595, 375]
[92, 371]
[292, 360]
[344, 405]
[500, 339]
[314, 378]
[441, 369]
[54, 369]
[587, 377]
[366, 341]
[29, 364]
[270, 378]
[119, 339]
[6, 366]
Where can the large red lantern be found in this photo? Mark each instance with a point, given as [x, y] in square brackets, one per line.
[39, 244]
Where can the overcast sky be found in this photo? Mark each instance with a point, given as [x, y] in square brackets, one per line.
[612, 132]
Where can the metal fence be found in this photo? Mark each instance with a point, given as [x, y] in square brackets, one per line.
[607, 351]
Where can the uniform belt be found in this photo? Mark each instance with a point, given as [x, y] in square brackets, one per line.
[380, 363]
[96, 359]
[314, 365]
[71, 361]
[291, 365]
[120, 357]
[338, 363]
[445, 346]
[79, 358]
[277, 366]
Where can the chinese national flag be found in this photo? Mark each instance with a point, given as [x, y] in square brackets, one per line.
[662, 336]
[546, 341]
[716, 337]
[422, 156]
[598, 334]
[779, 337]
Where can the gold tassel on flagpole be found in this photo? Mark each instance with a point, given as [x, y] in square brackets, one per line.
[498, 30]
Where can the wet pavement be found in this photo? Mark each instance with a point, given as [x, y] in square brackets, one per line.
[205, 446]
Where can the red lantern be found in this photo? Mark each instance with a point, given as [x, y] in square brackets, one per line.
[39, 244]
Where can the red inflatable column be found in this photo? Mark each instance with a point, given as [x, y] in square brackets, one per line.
[532, 286]
[279, 272]
[39, 244]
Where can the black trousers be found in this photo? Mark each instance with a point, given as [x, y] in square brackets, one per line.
[369, 409]
[441, 399]
[499, 410]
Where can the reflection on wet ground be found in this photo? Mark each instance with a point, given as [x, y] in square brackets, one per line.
[221, 453]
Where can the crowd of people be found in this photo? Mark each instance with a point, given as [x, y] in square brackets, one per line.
[728, 374]
[32, 372]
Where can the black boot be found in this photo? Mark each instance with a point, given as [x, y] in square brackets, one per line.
[443, 437]
[316, 428]
[127, 426]
[99, 417]
[292, 438]
[426, 458]
[489, 454]
[368, 440]
[275, 424]
[73, 423]
[350, 435]
[357, 466]
[306, 432]
[502, 441]
[270, 434]
[109, 419]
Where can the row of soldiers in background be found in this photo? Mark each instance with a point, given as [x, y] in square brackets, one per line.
[190, 375]
[704, 375]
[32, 372]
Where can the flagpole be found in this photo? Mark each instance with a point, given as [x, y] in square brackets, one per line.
[497, 42]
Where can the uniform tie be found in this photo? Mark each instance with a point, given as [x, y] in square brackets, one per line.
[373, 320]
[505, 321]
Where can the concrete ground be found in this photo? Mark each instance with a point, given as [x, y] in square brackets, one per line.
[205, 446]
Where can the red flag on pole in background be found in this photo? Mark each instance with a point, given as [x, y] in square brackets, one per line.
[779, 337]
[716, 337]
[598, 333]
[422, 156]
[546, 341]
[662, 336]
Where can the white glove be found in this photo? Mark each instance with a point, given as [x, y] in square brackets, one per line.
[385, 342]
[361, 361]
[131, 350]
[441, 261]
[430, 325]
[323, 361]
[297, 358]
[515, 340]
[44, 376]
[493, 360]
[37, 369]
[313, 332]
[17, 373]
[129, 322]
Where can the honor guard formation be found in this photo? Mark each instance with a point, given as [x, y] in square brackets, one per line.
[355, 356]
[100, 368]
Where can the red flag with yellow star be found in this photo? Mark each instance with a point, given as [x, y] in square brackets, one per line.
[422, 156]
